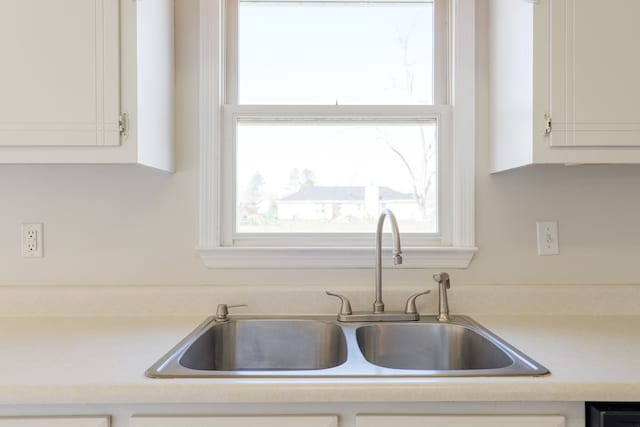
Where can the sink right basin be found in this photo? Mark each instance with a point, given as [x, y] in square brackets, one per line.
[429, 347]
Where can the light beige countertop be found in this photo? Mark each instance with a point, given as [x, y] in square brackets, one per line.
[73, 360]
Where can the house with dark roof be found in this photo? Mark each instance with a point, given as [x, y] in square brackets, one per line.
[333, 202]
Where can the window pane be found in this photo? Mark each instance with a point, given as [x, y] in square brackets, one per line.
[347, 53]
[335, 177]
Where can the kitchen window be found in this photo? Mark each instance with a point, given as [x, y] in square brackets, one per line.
[317, 114]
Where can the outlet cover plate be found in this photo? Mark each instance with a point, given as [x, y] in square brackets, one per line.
[547, 233]
[32, 240]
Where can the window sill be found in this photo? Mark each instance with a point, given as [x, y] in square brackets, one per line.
[321, 258]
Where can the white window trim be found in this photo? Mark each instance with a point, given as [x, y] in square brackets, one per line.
[454, 254]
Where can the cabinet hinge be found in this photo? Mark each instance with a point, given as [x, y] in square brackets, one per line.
[547, 125]
[123, 124]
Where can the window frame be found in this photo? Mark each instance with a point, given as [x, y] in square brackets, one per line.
[453, 247]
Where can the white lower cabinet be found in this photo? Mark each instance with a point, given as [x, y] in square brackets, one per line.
[235, 421]
[54, 421]
[460, 421]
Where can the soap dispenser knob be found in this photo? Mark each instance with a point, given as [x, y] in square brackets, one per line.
[222, 312]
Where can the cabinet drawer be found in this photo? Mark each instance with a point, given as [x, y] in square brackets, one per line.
[236, 421]
[54, 421]
[460, 421]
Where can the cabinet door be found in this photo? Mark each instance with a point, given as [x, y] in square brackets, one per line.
[460, 421]
[59, 80]
[595, 69]
[239, 421]
[54, 421]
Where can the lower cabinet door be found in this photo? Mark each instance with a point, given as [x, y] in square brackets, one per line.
[460, 421]
[54, 421]
[236, 421]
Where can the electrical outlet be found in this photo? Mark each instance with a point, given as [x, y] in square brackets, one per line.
[32, 240]
[547, 238]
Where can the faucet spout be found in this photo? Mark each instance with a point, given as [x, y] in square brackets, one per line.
[378, 305]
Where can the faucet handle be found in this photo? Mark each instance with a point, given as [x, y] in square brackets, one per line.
[345, 305]
[410, 307]
[222, 312]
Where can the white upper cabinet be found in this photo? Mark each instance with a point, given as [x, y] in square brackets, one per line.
[564, 84]
[595, 69]
[86, 81]
[60, 75]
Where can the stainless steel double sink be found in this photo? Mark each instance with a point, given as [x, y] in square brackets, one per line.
[318, 346]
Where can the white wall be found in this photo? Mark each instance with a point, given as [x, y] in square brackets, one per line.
[133, 225]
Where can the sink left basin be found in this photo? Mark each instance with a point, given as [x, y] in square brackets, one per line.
[255, 345]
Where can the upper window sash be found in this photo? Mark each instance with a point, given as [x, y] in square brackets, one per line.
[441, 45]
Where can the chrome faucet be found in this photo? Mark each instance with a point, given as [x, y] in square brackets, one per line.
[443, 306]
[379, 315]
[378, 305]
